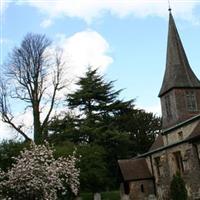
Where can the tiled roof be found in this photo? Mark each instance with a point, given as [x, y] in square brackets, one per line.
[178, 73]
[158, 143]
[134, 169]
[195, 133]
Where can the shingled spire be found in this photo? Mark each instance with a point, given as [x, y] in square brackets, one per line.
[180, 91]
[178, 73]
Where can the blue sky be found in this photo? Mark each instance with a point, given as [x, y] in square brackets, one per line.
[125, 39]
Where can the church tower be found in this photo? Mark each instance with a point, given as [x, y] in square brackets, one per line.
[180, 91]
[177, 148]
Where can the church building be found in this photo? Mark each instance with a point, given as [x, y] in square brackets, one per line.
[177, 148]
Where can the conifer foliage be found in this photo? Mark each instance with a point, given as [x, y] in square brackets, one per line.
[97, 117]
[177, 188]
[98, 105]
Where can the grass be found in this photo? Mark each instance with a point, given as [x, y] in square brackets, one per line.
[112, 195]
[87, 196]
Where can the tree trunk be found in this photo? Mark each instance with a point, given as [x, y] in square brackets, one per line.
[37, 125]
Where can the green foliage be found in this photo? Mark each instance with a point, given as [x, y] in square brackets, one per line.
[94, 169]
[105, 121]
[64, 129]
[86, 196]
[143, 128]
[177, 188]
[94, 94]
[112, 195]
[98, 106]
[8, 150]
[63, 149]
[36, 174]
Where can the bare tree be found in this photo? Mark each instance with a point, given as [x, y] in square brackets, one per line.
[30, 68]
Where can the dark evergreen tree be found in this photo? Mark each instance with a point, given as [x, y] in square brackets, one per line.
[94, 169]
[8, 150]
[177, 188]
[98, 105]
[143, 127]
[64, 129]
[105, 120]
[94, 94]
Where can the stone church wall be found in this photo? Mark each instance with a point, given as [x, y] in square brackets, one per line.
[161, 174]
[189, 168]
[140, 190]
[177, 110]
[179, 134]
[198, 148]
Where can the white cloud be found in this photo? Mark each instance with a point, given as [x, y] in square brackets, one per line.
[88, 10]
[21, 119]
[3, 5]
[80, 50]
[5, 41]
[83, 49]
[46, 23]
[5, 132]
[156, 109]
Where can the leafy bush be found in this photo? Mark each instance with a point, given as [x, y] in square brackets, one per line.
[38, 175]
[8, 150]
[177, 188]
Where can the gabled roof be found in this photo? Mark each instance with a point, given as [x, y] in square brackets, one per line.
[134, 169]
[195, 133]
[137, 169]
[193, 137]
[178, 73]
[158, 143]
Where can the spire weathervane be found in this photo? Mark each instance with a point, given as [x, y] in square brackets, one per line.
[169, 9]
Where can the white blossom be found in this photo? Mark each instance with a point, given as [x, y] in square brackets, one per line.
[36, 174]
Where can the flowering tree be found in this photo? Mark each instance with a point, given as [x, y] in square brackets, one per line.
[36, 174]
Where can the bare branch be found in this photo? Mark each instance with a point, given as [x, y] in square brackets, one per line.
[7, 120]
[56, 86]
[6, 115]
[28, 69]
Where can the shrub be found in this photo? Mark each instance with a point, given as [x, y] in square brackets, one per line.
[8, 150]
[177, 188]
[36, 174]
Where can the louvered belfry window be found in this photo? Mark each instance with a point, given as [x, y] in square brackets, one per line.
[191, 101]
[168, 106]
